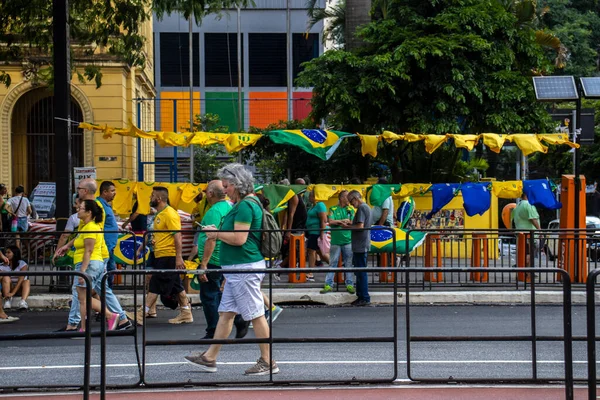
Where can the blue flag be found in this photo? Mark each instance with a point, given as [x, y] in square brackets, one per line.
[539, 194]
[477, 198]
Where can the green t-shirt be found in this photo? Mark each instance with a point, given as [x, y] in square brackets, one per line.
[522, 215]
[214, 216]
[246, 212]
[340, 236]
[312, 220]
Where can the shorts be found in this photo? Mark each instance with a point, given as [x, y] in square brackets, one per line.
[165, 284]
[15, 279]
[312, 242]
[94, 271]
[242, 294]
[150, 260]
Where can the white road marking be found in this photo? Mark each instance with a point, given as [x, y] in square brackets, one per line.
[159, 364]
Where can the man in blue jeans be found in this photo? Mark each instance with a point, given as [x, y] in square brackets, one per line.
[111, 229]
[341, 242]
[361, 244]
[208, 254]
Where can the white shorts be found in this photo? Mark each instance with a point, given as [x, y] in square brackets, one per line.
[242, 294]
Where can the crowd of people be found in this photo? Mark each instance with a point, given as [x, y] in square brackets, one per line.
[226, 210]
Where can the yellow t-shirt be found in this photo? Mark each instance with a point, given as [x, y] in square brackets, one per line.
[164, 243]
[105, 253]
[80, 245]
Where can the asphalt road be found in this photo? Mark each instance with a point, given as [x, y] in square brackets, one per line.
[59, 361]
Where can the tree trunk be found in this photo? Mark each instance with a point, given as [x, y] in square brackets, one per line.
[357, 14]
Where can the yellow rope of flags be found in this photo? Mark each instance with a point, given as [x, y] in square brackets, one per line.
[234, 142]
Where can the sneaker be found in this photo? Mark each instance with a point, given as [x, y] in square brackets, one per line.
[7, 303]
[326, 289]
[350, 289]
[241, 327]
[198, 360]
[275, 312]
[23, 305]
[310, 278]
[262, 368]
[125, 326]
[361, 303]
[8, 319]
[184, 317]
[113, 322]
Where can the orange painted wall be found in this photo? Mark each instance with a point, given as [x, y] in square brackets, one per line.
[265, 108]
[167, 108]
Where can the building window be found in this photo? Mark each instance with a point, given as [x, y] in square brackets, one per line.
[267, 59]
[304, 48]
[175, 59]
[220, 59]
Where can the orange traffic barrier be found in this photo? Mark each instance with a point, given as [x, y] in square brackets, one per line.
[480, 243]
[385, 260]
[522, 256]
[297, 239]
[429, 276]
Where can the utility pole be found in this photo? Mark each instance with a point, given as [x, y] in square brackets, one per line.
[62, 111]
[191, 44]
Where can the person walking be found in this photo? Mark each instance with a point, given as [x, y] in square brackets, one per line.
[108, 191]
[240, 249]
[209, 256]
[167, 256]
[361, 244]
[526, 217]
[20, 208]
[341, 242]
[316, 222]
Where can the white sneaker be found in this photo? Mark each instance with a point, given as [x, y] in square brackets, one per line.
[7, 303]
[23, 305]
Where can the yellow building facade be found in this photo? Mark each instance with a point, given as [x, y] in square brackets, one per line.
[27, 135]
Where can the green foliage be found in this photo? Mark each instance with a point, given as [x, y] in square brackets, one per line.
[336, 14]
[207, 160]
[436, 66]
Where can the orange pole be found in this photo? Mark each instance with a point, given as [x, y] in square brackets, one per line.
[521, 255]
[383, 262]
[293, 277]
[480, 243]
[432, 277]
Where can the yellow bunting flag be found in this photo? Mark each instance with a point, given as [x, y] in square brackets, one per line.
[324, 192]
[433, 142]
[411, 189]
[557, 138]
[391, 136]
[493, 141]
[508, 189]
[528, 143]
[369, 144]
[465, 141]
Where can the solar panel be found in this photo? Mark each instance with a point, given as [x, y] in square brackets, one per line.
[591, 87]
[555, 88]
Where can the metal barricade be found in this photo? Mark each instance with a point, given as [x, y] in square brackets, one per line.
[393, 339]
[591, 333]
[85, 387]
[534, 338]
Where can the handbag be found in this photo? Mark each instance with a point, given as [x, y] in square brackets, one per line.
[324, 243]
[14, 226]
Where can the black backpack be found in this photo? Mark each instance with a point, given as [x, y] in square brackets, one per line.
[272, 238]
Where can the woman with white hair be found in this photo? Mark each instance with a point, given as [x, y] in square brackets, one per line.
[240, 249]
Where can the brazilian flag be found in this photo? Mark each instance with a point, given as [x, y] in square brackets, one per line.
[377, 194]
[126, 249]
[382, 241]
[279, 195]
[317, 142]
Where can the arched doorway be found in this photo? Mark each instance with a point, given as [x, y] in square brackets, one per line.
[32, 138]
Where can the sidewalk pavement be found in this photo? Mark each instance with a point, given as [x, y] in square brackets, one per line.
[310, 296]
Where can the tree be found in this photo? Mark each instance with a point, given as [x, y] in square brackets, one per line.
[207, 160]
[99, 30]
[334, 18]
[435, 67]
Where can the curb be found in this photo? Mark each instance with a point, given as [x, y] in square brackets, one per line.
[312, 296]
